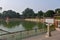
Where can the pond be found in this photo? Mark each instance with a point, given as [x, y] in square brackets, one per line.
[14, 26]
[17, 30]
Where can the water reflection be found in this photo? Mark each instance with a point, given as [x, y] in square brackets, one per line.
[41, 25]
[28, 25]
[13, 26]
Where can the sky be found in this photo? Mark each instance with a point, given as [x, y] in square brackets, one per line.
[36, 5]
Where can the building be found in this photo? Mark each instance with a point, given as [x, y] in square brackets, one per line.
[57, 20]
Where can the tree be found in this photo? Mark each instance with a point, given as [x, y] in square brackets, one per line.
[40, 14]
[49, 13]
[28, 13]
[11, 14]
[18, 15]
[57, 11]
[0, 15]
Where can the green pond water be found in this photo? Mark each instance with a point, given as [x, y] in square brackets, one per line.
[14, 26]
[26, 28]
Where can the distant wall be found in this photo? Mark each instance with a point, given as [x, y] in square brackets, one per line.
[34, 20]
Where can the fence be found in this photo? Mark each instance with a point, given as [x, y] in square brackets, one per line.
[22, 34]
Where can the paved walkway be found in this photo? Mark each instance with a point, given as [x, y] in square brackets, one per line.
[55, 36]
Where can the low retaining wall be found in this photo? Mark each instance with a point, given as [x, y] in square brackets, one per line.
[34, 20]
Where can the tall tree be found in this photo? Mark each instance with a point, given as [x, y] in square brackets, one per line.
[18, 15]
[40, 14]
[49, 13]
[28, 13]
[11, 14]
[0, 15]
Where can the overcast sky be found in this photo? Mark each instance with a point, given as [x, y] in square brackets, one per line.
[36, 5]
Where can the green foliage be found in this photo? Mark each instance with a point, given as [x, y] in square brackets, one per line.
[49, 13]
[28, 25]
[52, 27]
[10, 14]
[40, 14]
[11, 24]
[0, 15]
[57, 11]
[28, 13]
[41, 25]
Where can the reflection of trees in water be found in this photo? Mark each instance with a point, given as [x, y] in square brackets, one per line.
[0, 22]
[28, 25]
[41, 25]
[11, 24]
